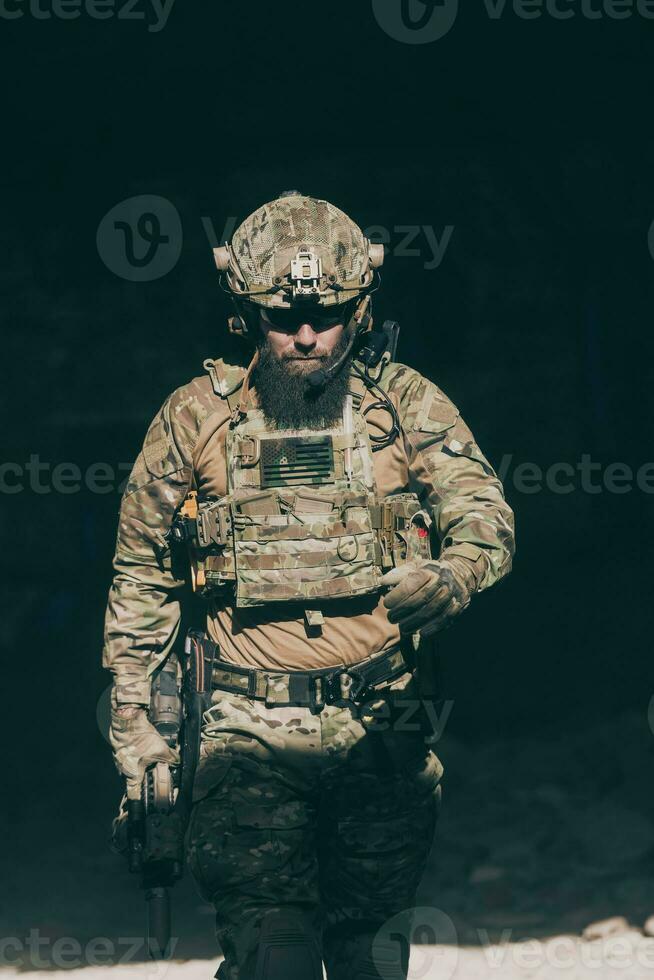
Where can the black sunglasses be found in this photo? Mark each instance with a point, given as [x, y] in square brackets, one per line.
[320, 317]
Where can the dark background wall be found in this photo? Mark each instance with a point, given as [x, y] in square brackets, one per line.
[532, 138]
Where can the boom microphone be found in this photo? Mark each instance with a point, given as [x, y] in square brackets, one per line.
[319, 378]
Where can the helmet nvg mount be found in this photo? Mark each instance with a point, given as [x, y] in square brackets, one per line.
[297, 250]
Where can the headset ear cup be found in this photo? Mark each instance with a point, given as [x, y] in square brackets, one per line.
[376, 254]
[221, 258]
[237, 325]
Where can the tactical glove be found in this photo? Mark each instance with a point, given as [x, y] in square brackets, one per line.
[428, 595]
[137, 744]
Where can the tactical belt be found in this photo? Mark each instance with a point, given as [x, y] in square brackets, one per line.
[303, 688]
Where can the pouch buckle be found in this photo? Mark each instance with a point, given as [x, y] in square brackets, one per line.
[212, 525]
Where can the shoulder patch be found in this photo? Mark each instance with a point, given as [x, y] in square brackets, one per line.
[155, 452]
[439, 412]
[424, 407]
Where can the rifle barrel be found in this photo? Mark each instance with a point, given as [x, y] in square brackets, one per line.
[158, 905]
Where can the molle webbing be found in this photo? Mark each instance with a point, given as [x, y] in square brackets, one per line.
[302, 520]
[281, 546]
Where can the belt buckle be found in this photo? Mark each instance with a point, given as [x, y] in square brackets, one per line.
[345, 685]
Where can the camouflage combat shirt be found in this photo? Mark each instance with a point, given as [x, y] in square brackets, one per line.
[436, 457]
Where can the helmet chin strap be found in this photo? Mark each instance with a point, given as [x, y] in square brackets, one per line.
[360, 321]
[241, 410]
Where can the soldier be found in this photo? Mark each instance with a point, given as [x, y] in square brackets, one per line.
[308, 483]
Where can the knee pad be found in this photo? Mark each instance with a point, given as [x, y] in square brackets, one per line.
[288, 949]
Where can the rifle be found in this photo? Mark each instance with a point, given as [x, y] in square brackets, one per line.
[155, 830]
[156, 823]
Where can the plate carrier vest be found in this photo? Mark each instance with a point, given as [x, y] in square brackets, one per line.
[302, 520]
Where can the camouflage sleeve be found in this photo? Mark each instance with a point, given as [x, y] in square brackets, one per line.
[143, 612]
[452, 475]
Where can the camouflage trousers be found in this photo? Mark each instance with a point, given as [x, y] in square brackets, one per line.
[314, 814]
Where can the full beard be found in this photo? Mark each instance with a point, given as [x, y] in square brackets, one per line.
[286, 398]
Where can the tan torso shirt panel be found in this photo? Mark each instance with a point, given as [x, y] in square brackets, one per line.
[275, 637]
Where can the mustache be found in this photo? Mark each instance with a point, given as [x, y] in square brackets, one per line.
[305, 357]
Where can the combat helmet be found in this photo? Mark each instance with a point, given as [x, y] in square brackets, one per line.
[297, 250]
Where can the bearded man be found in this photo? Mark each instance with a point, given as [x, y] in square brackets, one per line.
[310, 484]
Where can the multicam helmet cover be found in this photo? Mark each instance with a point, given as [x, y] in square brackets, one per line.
[298, 249]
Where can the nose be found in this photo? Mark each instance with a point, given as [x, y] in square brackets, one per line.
[305, 338]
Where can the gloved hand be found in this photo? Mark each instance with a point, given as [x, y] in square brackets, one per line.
[137, 744]
[119, 841]
[428, 595]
